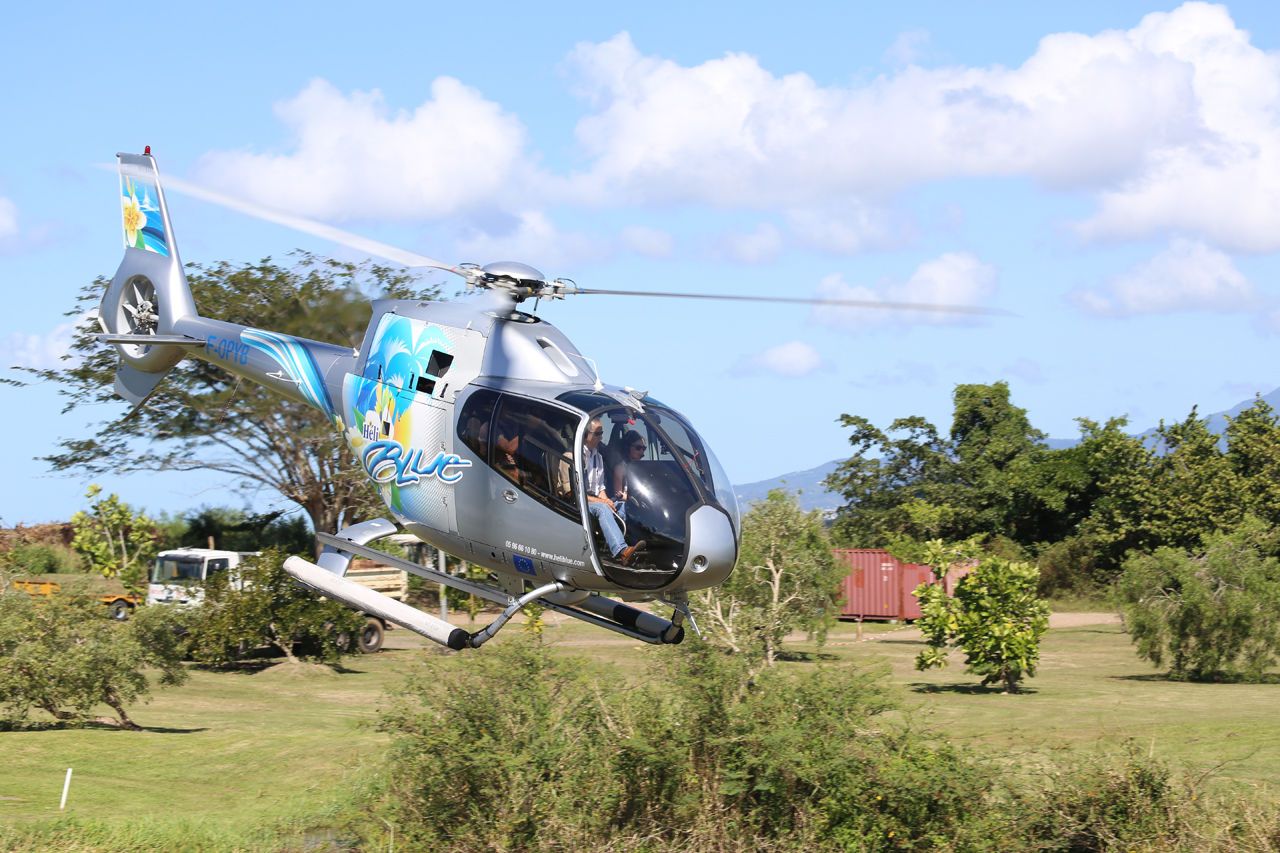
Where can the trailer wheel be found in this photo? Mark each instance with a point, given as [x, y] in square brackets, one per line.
[119, 610]
[370, 636]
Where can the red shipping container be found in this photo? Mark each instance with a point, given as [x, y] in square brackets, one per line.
[879, 586]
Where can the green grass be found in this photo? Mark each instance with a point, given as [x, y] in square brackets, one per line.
[230, 752]
[1092, 692]
[231, 749]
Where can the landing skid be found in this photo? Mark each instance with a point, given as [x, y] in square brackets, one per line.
[594, 609]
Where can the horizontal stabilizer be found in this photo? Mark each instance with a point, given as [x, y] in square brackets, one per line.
[152, 340]
[376, 604]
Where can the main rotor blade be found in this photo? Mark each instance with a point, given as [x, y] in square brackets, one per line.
[838, 303]
[309, 226]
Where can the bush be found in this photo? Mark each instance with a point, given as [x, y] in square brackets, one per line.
[517, 748]
[1072, 567]
[1213, 614]
[995, 618]
[263, 604]
[64, 656]
[40, 558]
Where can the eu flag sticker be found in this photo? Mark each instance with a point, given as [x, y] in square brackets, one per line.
[523, 564]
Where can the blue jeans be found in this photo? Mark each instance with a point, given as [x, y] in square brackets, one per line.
[608, 526]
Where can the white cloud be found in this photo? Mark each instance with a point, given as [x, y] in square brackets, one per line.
[908, 47]
[1173, 126]
[650, 242]
[760, 246]
[1027, 370]
[8, 219]
[956, 278]
[903, 373]
[532, 238]
[353, 158]
[849, 228]
[1187, 276]
[789, 361]
[1081, 112]
[40, 352]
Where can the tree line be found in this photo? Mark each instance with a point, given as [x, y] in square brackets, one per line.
[1079, 511]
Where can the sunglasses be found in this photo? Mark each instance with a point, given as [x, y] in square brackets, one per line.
[642, 448]
[597, 432]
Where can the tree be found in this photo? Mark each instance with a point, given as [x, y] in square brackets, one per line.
[202, 417]
[117, 542]
[786, 580]
[264, 604]
[1212, 613]
[988, 477]
[62, 655]
[995, 618]
[236, 530]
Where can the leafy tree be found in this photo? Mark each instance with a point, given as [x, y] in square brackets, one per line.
[203, 418]
[62, 655]
[1210, 613]
[786, 580]
[995, 618]
[988, 477]
[1177, 486]
[117, 542]
[261, 603]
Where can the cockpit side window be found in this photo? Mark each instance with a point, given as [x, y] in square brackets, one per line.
[689, 445]
[474, 422]
[532, 446]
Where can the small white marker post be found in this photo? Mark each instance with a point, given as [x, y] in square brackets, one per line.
[66, 786]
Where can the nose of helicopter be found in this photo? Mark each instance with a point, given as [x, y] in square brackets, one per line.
[713, 549]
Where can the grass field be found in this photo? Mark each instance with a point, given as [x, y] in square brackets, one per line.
[238, 750]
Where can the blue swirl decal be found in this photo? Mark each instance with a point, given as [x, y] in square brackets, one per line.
[293, 356]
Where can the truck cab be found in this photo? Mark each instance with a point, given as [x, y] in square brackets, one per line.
[177, 575]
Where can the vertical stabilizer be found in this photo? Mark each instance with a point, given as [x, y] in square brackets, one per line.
[149, 292]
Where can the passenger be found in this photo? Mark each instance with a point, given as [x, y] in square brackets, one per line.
[598, 502]
[507, 444]
[633, 447]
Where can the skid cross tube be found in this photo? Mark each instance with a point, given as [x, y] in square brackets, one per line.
[489, 593]
[479, 638]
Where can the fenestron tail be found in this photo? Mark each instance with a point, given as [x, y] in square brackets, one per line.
[149, 292]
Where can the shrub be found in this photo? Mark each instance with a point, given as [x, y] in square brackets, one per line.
[39, 558]
[1072, 567]
[1214, 614]
[995, 618]
[263, 604]
[64, 656]
[517, 748]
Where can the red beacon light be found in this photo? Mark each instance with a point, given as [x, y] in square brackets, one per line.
[147, 151]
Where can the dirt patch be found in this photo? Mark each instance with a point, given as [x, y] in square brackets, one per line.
[297, 672]
[1077, 620]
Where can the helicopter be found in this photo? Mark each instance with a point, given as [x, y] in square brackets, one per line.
[485, 431]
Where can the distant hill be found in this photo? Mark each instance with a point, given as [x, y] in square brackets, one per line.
[812, 496]
[1217, 420]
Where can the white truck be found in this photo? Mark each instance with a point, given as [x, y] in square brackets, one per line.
[177, 577]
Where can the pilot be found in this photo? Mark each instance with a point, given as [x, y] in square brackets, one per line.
[598, 502]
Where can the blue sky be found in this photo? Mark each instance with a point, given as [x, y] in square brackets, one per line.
[1110, 172]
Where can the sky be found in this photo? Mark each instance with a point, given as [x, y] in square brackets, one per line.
[1107, 172]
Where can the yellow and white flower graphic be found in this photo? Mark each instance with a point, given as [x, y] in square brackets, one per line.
[134, 219]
